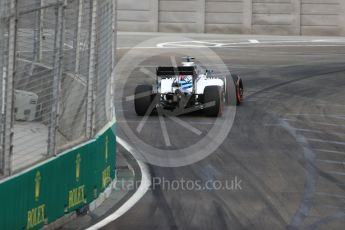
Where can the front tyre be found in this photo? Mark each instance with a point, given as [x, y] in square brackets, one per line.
[213, 101]
[142, 99]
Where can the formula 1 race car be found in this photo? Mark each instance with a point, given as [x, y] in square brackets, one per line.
[185, 89]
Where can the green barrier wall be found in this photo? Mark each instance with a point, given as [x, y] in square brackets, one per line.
[52, 189]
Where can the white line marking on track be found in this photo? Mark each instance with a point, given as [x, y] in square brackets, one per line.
[254, 41]
[143, 188]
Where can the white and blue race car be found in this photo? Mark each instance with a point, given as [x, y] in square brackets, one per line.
[187, 88]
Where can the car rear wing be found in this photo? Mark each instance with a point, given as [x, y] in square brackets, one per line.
[165, 72]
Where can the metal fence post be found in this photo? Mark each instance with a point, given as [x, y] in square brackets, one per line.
[113, 54]
[2, 91]
[38, 31]
[78, 36]
[9, 92]
[2, 54]
[91, 96]
[57, 76]
[114, 42]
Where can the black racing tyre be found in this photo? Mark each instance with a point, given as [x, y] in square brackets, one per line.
[238, 95]
[213, 100]
[239, 88]
[228, 91]
[240, 91]
[142, 99]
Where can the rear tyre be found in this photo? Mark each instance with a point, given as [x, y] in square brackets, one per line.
[213, 100]
[239, 88]
[228, 93]
[238, 95]
[142, 99]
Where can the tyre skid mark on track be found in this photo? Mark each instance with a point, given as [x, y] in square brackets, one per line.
[308, 130]
[329, 195]
[326, 141]
[221, 213]
[335, 216]
[263, 191]
[331, 162]
[330, 151]
[312, 172]
[162, 202]
[331, 178]
[326, 220]
[336, 173]
[235, 221]
[293, 81]
[320, 132]
[325, 105]
[337, 116]
[313, 122]
[306, 203]
[329, 175]
[311, 177]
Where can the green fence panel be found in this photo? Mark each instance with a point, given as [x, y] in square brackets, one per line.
[61, 185]
[105, 159]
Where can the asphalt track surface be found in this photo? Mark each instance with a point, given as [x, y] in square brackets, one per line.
[287, 144]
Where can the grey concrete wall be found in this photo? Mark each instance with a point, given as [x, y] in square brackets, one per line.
[283, 17]
[321, 16]
[225, 16]
[137, 15]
